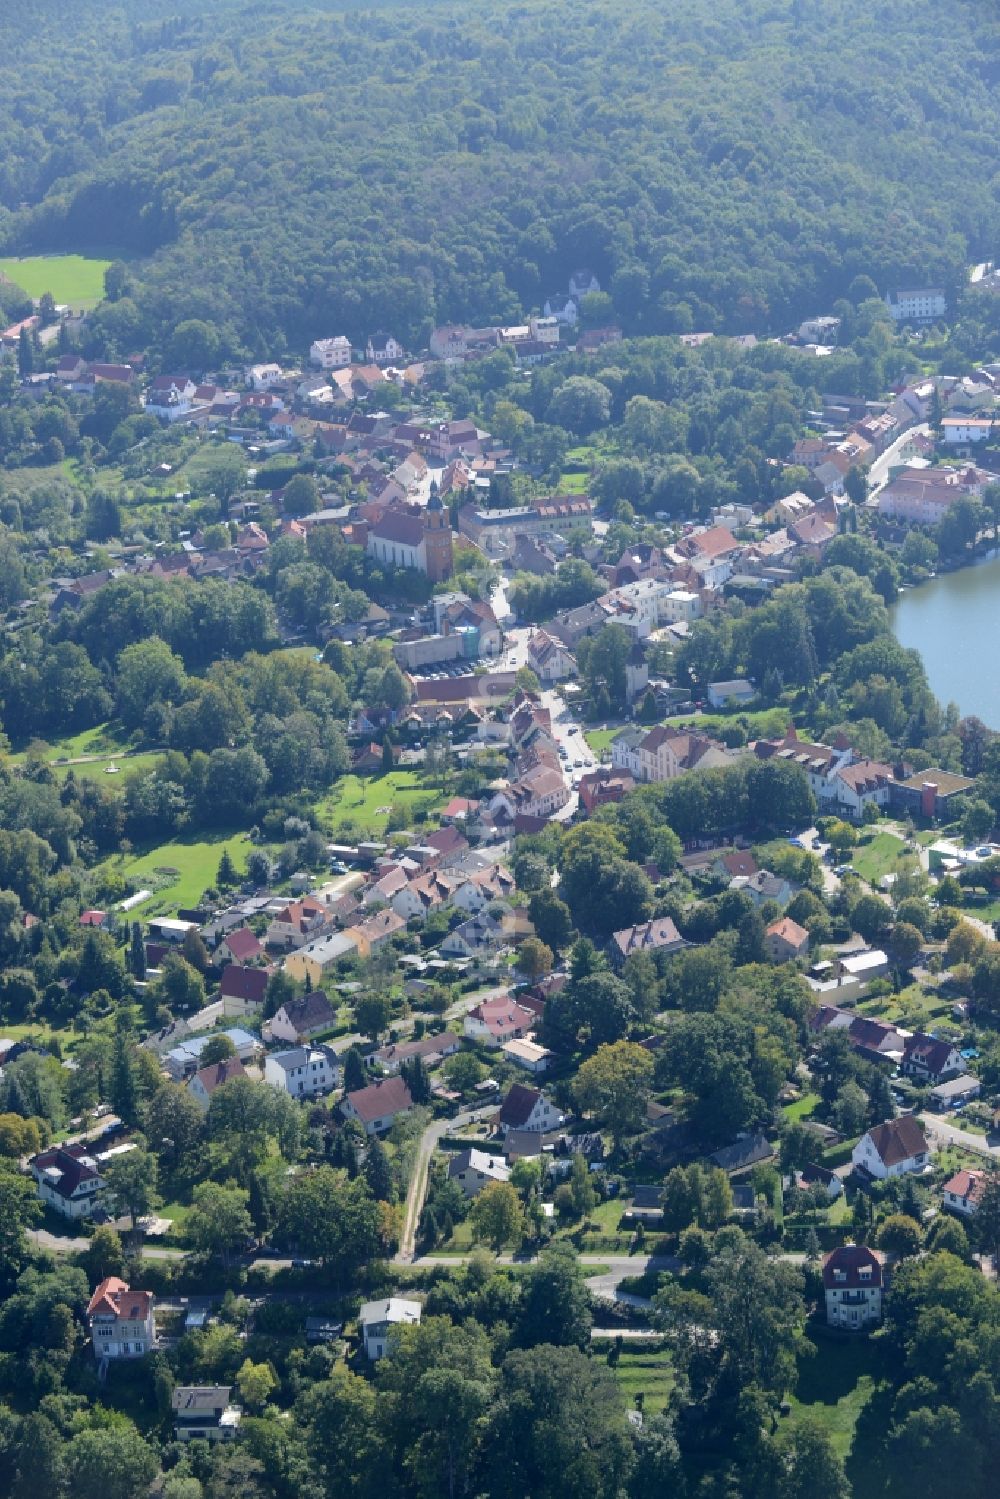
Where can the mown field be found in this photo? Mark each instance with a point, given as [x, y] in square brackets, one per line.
[177, 873]
[74, 279]
[369, 801]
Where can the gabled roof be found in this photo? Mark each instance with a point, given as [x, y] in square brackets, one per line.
[379, 1100]
[519, 1105]
[649, 936]
[249, 984]
[789, 931]
[928, 1052]
[243, 944]
[216, 1073]
[965, 1184]
[898, 1140]
[312, 1012]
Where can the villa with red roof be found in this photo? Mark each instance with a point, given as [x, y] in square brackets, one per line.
[122, 1322]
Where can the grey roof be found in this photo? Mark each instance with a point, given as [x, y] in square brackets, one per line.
[743, 1153]
[191, 1400]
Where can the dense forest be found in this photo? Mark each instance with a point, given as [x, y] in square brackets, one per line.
[282, 170]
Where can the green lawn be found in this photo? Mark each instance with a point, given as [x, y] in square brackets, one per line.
[600, 739]
[842, 1386]
[369, 800]
[177, 873]
[70, 278]
[641, 1371]
[801, 1108]
[879, 857]
[98, 748]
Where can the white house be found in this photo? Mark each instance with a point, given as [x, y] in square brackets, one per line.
[852, 1286]
[382, 348]
[563, 307]
[330, 353]
[170, 396]
[68, 1179]
[496, 1021]
[930, 1060]
[122, 1322]
[377, 1318]
[892, 1149]
[961, 430]
[377, 1106]
[303, 1071]
[299, 1019]
[475, 1169]
[264, 376]
[529, 1055]
[855, 787]
[919, 306]
[528, 1109]
[961, 1192]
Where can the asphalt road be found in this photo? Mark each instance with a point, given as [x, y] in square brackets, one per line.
[938, 1129]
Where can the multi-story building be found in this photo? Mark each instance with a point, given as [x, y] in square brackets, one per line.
[377, 1319]
[122, 1322]
[69, 1180]
[920, 306]
[892, 1149]
[303, 1071]
[852, 1287]
[331, 353]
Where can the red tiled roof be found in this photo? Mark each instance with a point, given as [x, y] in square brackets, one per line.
[850, 1260]
[114, 1298]
[390, 1096]
[243, 944]
[216, 1073]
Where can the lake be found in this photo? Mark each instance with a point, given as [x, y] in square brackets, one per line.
[954, 622]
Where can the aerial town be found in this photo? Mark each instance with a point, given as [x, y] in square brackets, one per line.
[499, 819]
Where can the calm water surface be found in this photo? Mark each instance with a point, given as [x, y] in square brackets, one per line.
[954, 622]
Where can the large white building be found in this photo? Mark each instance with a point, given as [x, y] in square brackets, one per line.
[917, 306]
[330, 353]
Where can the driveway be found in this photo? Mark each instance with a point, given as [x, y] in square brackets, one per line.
[417, 1193]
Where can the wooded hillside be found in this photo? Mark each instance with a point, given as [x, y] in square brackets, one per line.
[291, 169]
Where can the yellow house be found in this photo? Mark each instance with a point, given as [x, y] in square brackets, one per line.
[311, 963]
[368, 936]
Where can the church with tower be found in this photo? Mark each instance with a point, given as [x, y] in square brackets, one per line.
[411, 536]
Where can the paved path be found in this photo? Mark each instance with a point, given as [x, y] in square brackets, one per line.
[878, 473]
[940, 1131]
[58, 1244]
